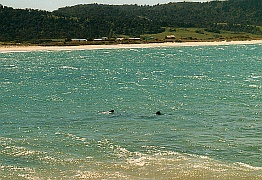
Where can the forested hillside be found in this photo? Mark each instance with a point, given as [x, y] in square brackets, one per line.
[97, 20]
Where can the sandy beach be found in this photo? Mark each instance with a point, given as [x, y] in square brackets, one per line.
[4, 49]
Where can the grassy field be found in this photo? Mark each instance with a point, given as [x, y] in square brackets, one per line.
[199, 34]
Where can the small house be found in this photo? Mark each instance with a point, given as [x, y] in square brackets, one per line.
[79, 40]
[100, 39]
[171, 37]
[104, 38]
[134, 39]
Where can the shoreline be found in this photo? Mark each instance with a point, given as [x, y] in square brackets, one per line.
[4, 49]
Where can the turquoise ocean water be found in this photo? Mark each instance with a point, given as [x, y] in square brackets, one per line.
[52, 125]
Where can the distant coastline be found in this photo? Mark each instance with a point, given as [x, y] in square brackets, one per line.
[24, 48]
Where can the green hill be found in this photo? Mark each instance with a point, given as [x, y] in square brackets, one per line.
[97, 20]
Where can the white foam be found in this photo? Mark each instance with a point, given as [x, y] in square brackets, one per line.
[248, 166]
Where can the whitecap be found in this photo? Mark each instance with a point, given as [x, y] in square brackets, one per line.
[69, 67]
[253, 86]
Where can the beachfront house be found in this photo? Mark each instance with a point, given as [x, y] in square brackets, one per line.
[79, 40]
[98, 39]
[104, 38]
[134, 39]
[120, 39]
[171, 37]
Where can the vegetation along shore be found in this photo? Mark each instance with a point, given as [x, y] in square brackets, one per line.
[101, 24]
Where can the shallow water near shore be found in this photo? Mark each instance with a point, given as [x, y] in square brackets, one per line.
[53, 126]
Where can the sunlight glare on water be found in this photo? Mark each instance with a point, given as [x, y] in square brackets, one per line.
[53, 125]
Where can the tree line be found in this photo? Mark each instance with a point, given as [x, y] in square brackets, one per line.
[97, 20]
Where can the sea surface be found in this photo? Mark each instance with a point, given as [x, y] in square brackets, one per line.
[53, 125]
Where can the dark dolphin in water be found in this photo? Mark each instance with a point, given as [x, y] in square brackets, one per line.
[158, 113]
